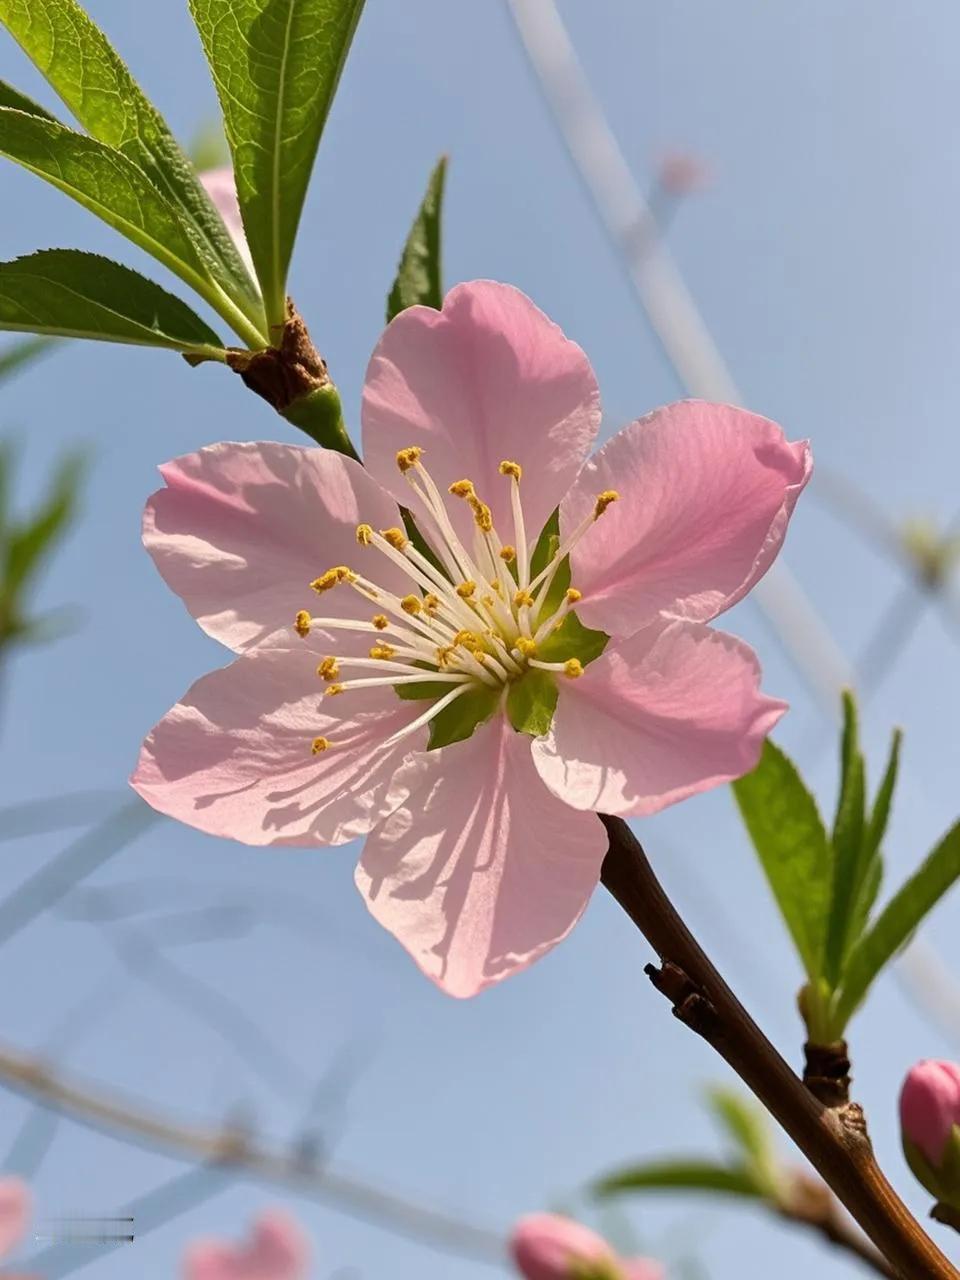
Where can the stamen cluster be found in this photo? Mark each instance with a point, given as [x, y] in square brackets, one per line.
[474, 617]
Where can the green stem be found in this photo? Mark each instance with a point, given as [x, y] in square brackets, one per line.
[245, 329]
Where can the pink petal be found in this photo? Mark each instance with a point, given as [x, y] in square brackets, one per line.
[546, 1246]
[233, 758]
[671, 711]
[487, 378]
[483, 870]
[15, 1209]
[241, 530]
[276, 1250]
[706, 492]
[641, 1269]
[222, 190]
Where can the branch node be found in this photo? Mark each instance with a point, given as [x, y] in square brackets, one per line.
[946, 1214]
[826, 1072]
[691, 1005]
[284, 373]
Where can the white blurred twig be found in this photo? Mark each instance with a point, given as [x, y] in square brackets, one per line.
[240, 1153]
[666, 302]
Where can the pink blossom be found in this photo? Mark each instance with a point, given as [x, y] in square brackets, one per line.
[276, 1250]
[221, 187]
[548, 1247]
[930, 1107]
[482, 853]
[682, 174]
[15, 1209]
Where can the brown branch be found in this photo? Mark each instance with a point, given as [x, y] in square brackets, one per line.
[834, 1140]
[234, 1148]
[284, 373]
[808, 1202]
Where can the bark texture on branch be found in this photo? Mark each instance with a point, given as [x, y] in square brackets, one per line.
[834, 1139]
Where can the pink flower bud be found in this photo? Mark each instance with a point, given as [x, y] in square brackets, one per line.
[276, 1249]
[681, 174]
[930, 1107]
[14, 1213]
[548, 1247]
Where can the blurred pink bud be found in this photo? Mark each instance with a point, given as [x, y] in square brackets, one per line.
[930, 1107]
[682, 174]
[221, 187]
[15, 1207]
[277, 1249]
[548, 1247]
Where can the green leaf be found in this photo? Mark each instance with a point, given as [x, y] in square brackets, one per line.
[788, 835]
[20, 354]
[419, 275]
[746, 1124]
[867, 895]
[276, 65]
[880, 815]
[105, 182]
[531, 702]
[690, 1175]
[31, 541]
[82, 66]
[849, 865]
[11, 97]
[81, 295]
[896, 922]
[458, 720]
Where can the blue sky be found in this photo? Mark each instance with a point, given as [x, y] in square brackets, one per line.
[825, 259]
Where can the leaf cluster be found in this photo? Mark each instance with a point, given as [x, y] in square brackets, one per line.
[26, 543]
[749, 1170]
[276, 65]
[826, 883]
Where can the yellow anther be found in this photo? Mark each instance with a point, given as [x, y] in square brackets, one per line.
[603, 501]
[508, 553]
[526, 647]
[431, 602]
[411, 604]
[332, 690]
[573, 668]
[328, 669]
[466, 589]
[508, 468]
[487, 601]
[301, 623]
[319, 744]
[480, 656]
[522, 598]
[469, 639]
[381, 621]
[364, 534]
[482, 515]
[462, 489]
[332, 578]
[408, 458]
[396, 537]
[444, 654]
[573, 595]
[497, 587]
[383, 651]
